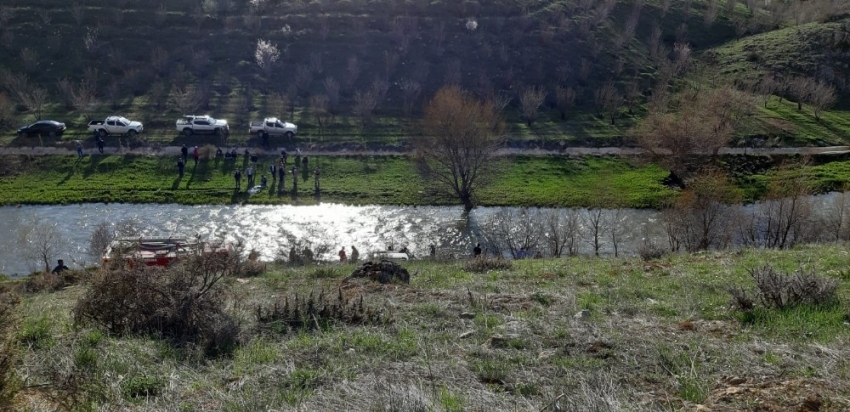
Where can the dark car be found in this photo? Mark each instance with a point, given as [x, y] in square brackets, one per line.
[43, 128]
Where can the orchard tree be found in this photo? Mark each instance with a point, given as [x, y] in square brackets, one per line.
[530, 101]
[608, 100]
[461, 136]
[701, 126]
[266, 55]
[822, 97]
[565, 98]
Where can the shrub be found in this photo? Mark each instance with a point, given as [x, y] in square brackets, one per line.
[8, 352]
[183, 303]
[650, 251]
[775, 290]
[299, 314]
[484, 264]
[49, 282]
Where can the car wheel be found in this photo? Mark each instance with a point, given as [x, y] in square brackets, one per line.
[289, 135]
[131, 133]
[264, 135]
[102, 133]
[217, 132]
[51, 133]
[187, 132]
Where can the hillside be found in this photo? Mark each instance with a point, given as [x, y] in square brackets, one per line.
[364, 67]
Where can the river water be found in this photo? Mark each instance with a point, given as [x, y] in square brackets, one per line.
[268, 229]
[324, 228]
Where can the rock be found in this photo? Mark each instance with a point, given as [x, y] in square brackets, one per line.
[499, 341]
[384, 272]
[466, 334]
[737, 381]
[467, 315]
[583, 314]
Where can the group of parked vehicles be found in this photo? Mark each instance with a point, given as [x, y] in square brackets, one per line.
[187, 125]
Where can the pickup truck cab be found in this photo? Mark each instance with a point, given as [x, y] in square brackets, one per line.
[115, 125]
[189, 125]
[272, 126]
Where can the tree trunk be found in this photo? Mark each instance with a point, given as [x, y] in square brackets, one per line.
[799, 106]
[466, 199]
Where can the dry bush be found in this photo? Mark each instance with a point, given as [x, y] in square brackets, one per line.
[316, 312]
[183, 303]
[485, 264]
[776, 290]
[650, 251]
[8, 351]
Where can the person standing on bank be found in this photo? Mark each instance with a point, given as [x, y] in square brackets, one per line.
[237, 176]
[184, 153]
[100, 144]
[476, 251]
[180, 166]
[342, 257]
[196, 155]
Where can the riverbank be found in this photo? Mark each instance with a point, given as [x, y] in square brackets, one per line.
[625, 333]
[356, 180]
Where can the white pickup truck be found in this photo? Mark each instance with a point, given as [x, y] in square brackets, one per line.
[272, 126]
[189, 125]
[115, 125]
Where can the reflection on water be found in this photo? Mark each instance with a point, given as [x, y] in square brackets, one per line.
[269, 229]
[264, 228]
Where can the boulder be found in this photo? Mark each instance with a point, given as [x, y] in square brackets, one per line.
[384, 271]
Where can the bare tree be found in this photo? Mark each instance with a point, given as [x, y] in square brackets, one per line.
[608, 100]
[410, 90]
[822, 97]
[160, 15]
[34, 99]
[185, 100]
[765, 88]
[380, 87]
[275, 104]
[303, 79]
[702, 216]
[332, 93]
[632, 94]
[39, 242]
[7, 111]
[319, 108]
[837, 218]
[461, 137]
[364, 106]
[515, 231]
[565, 98]
[562, 231]
[316, 65]
[702, 126]
[157, 95]
[594, 223]
[105, 233]
[801, 88]
[530, 100]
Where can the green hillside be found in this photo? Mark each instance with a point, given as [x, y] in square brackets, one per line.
[140, 57]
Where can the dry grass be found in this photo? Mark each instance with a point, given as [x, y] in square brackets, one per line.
[514, 339]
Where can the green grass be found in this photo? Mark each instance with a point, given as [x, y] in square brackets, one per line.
[419, 358]
[352, 180]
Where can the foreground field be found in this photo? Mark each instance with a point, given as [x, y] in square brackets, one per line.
[582, 333]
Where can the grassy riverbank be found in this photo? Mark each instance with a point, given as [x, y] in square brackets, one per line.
[351, 180]
[657, 336]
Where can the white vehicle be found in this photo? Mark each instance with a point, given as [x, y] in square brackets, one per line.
[115, 125]
[189, 125]
[272, 126]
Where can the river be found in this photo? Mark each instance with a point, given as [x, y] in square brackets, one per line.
[268, 229]
[271, 229]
